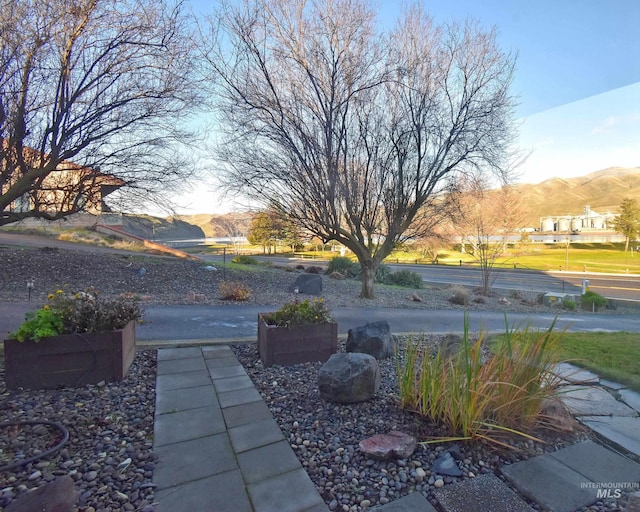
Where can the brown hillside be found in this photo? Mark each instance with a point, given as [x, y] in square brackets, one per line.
[602, 190]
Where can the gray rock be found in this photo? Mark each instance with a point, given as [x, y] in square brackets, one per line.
[445, 465]
[58, 495]
[349, 378]
[451, 345]
[394, 445]
[373, 338]
[310, 284]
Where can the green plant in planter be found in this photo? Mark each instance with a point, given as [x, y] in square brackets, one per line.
[592, 299]
[81, 312]
[300, 313]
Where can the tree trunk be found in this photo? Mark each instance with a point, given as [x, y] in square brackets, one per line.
[368, 277]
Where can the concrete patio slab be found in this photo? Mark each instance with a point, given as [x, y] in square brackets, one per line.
[222, 362]
[631, 398]
[611, 385]
[624, 432]
[245, 413]
[239, 397]
[227, 371]
[575, 374]
[593, 401]
[255, 434]
[188, 461]
[232, 383]
[215, 351]
[224, 492]
[609, 466]
[288, 492]
[182, 380]
[181, 426]
[176, 400]
[178, 353]
[414, 502]
[549, 482]
[191, 364]
[486, 492]
[267, 461]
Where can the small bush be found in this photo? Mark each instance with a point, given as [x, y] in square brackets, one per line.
[382, 272]
[299, 267]
[569, 305]
[234, 290]
[313, 270]
[405, 278]
[590, 299]
[343, 265]
[243, 259]
[459, 296]
[300, 313]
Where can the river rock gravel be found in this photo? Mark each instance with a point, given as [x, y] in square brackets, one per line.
[109, 453]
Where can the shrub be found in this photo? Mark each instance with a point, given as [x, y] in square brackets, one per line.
[592, 299]
[404, 278]
[234, 290]
[343, 265]
[569, 305]
[243, 259]
[299, 267]
[382, 272]
[477, 399]
[459, 296]
[313, 270]
[80, 312]
[300, 313]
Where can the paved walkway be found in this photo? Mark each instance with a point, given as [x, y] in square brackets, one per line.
[219, 449]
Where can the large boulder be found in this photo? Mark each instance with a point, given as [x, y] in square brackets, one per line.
[59, 495]
[348, 378]
[373, 338]
[310, 284]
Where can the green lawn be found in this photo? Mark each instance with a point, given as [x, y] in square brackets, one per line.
[612, 355]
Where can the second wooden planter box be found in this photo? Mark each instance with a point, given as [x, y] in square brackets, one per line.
[70, 359]
[296, 344]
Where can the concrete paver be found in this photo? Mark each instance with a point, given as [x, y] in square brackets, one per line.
[631, 398]
[575, 374]
[217, 444]
[414, 502]
[550, 483]
[593, 401]
[610, 467]
[623, 431]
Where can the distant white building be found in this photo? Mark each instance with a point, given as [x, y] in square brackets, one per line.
[588, 221]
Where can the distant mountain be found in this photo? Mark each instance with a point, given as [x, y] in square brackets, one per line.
[602, 190]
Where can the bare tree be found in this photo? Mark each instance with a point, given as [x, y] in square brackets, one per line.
[233, 226]
[92, 93]
[353, 132]
[486, 219]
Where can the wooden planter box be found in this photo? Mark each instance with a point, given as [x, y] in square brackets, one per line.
[70, 359]
[297, 344]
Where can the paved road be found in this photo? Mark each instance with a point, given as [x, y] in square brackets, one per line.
[238, 322]
[189, 322]
[612, 286]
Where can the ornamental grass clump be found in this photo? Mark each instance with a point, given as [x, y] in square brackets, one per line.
[80, 312]
[300, 313]
[476, 396]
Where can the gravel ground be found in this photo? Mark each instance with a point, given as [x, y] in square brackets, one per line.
[109, 452]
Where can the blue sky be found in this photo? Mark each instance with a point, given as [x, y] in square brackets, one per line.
[577, 78]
